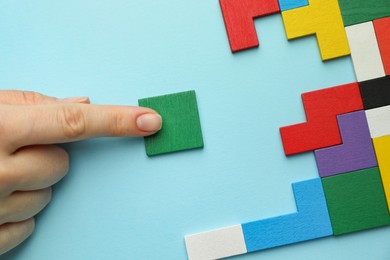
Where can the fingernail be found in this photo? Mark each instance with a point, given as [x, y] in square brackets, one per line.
[149, 122]
[75, 100]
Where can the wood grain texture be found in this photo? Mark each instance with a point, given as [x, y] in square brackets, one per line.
[238, 16]
[360, 11]
[322, 18]
[365, 54]
[382, 150]
[216, 244]
[321, 129]
[382, 31]
[379, 121]
[355, 153]
[311, 220]
[181, 128]
[375, 92]
[356, 201]
[292, 4]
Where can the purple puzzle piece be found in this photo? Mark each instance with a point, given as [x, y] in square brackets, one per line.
[356, 152]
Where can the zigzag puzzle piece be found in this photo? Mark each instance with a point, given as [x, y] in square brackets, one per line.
[238, 16]
[321, 108]
[322, 18]
[356, 152]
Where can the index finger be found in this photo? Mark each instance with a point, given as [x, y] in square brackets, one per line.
[61, 123]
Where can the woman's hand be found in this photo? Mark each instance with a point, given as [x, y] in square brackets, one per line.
[30, 123]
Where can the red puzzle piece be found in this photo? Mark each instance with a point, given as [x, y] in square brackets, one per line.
[321, 108]
[238, 16]
[382, 30]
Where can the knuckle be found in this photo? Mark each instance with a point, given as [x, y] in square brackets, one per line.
[120, 125]
[31, 97]
[72, 120]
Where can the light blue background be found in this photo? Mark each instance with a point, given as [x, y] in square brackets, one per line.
[115, 202]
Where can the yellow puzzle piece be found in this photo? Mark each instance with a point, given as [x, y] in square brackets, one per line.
[382, 150]
[322, 18]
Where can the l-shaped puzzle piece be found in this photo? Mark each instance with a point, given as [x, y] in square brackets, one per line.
[311, 221]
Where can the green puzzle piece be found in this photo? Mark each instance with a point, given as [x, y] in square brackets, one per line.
[181, 125]
[356, 201]
[360, 11]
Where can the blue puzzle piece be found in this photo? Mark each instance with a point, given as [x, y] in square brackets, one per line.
[292, 4]
[310, 222]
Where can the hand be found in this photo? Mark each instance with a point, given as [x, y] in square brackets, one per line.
[30, 123]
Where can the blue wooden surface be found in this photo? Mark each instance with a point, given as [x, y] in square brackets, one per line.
[115, 202]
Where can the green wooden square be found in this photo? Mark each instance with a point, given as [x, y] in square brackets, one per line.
[360, 11]
[181, 125]
[356, 201]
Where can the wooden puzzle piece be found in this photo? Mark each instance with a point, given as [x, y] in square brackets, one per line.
[216, 244]
[355, 153]
[356, 201]
[181, 128]
[320, 18]
[310, 222]
[366, 58]
[321, 108]
[238, 16]
[360, 11]
[382, 150]
[292, 4]
[375, 92]
[382, 31]
[379, 121]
